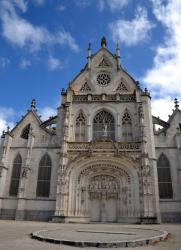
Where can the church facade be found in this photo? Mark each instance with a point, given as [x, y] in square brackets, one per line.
[100, 159]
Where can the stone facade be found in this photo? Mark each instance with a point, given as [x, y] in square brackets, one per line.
[96, 161]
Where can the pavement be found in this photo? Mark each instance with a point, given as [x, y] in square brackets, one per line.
[16, 234]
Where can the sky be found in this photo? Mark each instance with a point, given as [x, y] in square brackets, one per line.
[43, 45]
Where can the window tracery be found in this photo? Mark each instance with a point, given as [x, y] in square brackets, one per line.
[104, 63]
[85, 87]
[15, 178]
[25, 132]
[126, 126]
[102, 119]
[122, 88]
[164, 178]
[44, 176]
[80, 130]
[103, 79]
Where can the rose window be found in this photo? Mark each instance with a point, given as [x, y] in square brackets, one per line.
[103, 79]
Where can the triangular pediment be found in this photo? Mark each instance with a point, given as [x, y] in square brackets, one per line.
[104, 63]
[85, 87]
[121, 87]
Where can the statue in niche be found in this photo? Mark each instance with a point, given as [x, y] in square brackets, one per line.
[105, 130]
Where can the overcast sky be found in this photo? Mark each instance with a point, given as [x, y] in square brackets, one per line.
[43, 45]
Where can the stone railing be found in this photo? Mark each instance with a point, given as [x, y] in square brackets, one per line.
[105, 98]
[100, 146]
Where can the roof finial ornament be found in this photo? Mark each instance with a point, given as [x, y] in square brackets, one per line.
[89, 50]
[3, 134]
[103, 42]
[8, 129]
[176, 103]
[89, 46]
[33, 104]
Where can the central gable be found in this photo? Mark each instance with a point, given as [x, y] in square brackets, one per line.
[103, 74]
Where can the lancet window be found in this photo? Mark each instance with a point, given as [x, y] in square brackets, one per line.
[103, 125]
[80, 128]
[44, 176]
[25, 132]
[127, 127]
[15, 177]
[164, 177]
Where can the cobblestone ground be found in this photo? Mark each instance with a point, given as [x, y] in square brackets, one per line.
[15, 235]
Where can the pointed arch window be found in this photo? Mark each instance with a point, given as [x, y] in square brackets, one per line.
[127, 127]
[44, 177]
[15, 177]
[80, 128]
[25, 132]
[164, 178]
[102, 119]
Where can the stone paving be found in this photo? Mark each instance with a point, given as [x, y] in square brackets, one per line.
[101, 235]
[16, 235]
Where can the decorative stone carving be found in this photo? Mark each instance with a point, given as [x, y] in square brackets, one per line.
[103, 183]
[122, 88]
[104, 63]
[24, 173]
[103, 78]
[85, 87]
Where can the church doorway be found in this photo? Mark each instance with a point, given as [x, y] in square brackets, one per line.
[103, 210]
[103, 191]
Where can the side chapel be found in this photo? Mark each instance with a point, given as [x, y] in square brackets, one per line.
[100, 159]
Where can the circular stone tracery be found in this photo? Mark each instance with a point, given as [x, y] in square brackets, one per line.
[103, 79]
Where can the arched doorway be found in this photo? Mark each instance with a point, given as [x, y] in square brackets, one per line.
[103, 192]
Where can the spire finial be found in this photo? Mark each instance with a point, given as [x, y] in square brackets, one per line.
[89, 51]
[103, 42]
[33, 104]
[89, 46]
[176, 103]
[8, 128]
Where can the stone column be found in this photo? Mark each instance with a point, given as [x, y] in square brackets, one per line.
[89, 127]
[4, 164]
[150, 203]
[62, 188]
[21, 206]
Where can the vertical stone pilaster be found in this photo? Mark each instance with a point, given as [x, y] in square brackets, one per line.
[22, 194]
[4, 164]
[62, 189]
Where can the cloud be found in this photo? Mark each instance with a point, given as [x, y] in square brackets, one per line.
[114, 5]
[39, 2]
[61, 7]
[21, 33]
[22, 4]
[165, 74]
[132, 32]
[46, 112]
[6, 116]
[25, 63]
[54, 63]
[4, 62]
[162, 107]
[83, 3]
[65, 38]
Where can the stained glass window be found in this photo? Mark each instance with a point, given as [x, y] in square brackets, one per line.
[164, 178]
[44, 176]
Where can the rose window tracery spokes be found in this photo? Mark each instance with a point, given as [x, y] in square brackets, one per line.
[103, 79]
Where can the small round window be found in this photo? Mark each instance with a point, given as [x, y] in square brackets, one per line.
[103, 79]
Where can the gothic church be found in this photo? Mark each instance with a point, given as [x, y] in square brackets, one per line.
[100, 159]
